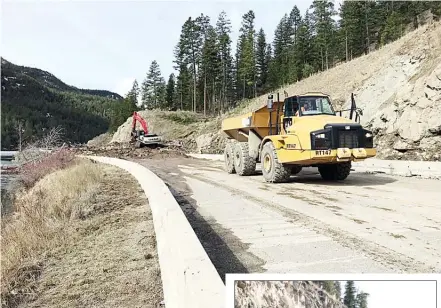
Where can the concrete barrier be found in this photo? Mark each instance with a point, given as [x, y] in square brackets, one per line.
[423, 169]
[189, 278]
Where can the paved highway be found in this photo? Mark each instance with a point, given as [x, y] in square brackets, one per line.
[366, 224]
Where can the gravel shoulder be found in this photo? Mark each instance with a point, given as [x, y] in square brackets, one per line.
[111, 260]
[368, 223]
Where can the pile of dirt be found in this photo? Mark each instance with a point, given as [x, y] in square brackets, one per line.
[100, 140]
[284, 294]
[127, 150]
[190, 129]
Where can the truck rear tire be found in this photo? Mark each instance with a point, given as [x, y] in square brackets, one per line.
[243, 162]
[229, 158]
[335, 172]
[273, 171]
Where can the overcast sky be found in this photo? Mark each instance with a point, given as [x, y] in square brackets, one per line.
[107, 44]
[399, 294]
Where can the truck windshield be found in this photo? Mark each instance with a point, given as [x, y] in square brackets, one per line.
[315, 105]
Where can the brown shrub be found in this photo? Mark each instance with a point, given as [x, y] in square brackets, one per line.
[33, 171]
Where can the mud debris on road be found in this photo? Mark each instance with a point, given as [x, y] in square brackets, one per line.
[128, 150]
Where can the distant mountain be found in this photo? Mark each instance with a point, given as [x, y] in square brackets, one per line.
[47, 79]
[40, 101]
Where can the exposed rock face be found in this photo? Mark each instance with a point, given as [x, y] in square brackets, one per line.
[282, 294]
[402, 103]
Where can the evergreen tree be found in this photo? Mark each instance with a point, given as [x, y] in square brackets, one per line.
[170, 92]
[393, 28]
[153, 88]
[133, 95]
[184, 86]
[223, 31]
[188, 51]
[304, 50]
[246, 62]
[211, 68]
[337, 287]
[324, 29]
[261, 62]
[361, 300]
[350, 294]
[282, 49]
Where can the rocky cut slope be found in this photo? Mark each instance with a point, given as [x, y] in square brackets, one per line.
[282, 294]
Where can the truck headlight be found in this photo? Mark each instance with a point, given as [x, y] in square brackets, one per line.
[320, 136]
[368, 135]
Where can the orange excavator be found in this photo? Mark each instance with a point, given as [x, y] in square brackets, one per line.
[143, 137]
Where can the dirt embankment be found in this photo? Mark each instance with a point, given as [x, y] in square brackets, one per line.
[283, 294]
[82, 236]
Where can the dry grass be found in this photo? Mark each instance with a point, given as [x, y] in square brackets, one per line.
[41, 223]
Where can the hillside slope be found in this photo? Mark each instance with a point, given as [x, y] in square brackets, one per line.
[49, 80]
[398, 87]
[41, 101]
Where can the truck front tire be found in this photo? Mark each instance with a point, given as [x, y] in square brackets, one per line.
[273, 171]
[335, 172]
[243, 162]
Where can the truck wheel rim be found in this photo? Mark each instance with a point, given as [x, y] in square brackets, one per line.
[267, 163]
[238, 161]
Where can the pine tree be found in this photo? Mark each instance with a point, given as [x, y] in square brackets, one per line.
[184, 87]
[133, 95]
[350, 293]
[392, 29]
[153, 88]
[361, 300]
[223, 31]
[188, 51]
[324, 28]
[170, 93]
[305, 53]
[282, 44]
[211, 68]
[337, 287]
[261, 62]
[246, 62]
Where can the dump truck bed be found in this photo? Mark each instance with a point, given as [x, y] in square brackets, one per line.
[258, 120]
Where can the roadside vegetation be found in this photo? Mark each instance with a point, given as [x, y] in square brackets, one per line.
[74, 238]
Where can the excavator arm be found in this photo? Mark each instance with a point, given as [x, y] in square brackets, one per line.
[137, 117]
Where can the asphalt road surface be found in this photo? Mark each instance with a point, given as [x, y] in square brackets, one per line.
[365, 224]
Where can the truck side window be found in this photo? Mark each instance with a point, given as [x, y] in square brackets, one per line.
[290, 107]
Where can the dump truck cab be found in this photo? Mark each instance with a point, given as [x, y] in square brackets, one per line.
[300, 131]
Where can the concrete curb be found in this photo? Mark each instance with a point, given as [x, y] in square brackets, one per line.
[423, 169]
[189, 278]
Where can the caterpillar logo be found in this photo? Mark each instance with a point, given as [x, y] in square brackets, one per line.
[323, 152]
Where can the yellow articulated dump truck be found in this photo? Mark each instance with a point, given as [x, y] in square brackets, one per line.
[300, 131]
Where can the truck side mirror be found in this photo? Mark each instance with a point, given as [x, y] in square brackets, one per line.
[269, 104]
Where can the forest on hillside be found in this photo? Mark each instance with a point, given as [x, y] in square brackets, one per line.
[211, 79]
[350, 296]
[34, 101]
